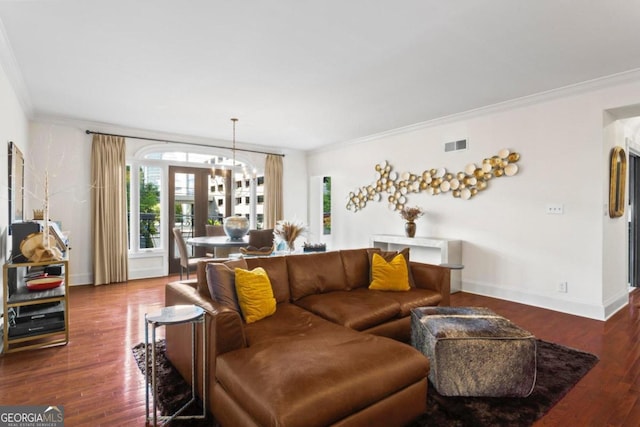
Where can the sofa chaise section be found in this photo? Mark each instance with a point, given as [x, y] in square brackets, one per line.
[298, 364]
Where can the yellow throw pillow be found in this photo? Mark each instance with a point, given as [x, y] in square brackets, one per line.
[389, 276]
[255, 295]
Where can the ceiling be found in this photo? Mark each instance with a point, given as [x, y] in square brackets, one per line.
[302, 74]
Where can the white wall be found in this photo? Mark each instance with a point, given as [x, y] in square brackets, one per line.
[295, 183]
[512, 249]
[65, 152]
[13, 127]
[615, 244]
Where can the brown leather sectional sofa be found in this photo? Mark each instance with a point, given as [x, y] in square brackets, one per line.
[334, 352]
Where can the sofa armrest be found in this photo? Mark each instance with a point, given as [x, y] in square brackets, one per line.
[225, 332]
[433, 277]
[225, 326]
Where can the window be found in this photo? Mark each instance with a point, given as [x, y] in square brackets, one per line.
[149, 206]
[247, 200]
[238, 184]
[261, 180]
[326, 205]
[238, 200]
[220, 202]
[261, 199]
[128, 178]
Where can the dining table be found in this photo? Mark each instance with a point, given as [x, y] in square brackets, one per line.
[212, 242]
[216, 244]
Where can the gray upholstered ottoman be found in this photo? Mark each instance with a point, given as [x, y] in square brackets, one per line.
[474, 351]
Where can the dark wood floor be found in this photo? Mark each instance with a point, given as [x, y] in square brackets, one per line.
[97, 381]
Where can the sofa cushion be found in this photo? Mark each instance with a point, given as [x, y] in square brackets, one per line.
[287, 323]
[201, 275]
[255, 295]
[327, 370]
[413, 298]
[358, 309]
[356, 267]
[221, 282]
[315, 273]
[389, 276]
[276, 268]
[388, 256]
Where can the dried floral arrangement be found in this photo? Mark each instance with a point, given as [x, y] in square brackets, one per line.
[411, 213]
[289, 231]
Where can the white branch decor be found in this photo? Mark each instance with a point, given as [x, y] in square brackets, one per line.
[40, 247]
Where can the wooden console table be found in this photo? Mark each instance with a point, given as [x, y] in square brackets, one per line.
[429, 250]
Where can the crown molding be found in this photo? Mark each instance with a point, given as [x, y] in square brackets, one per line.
[103, 127]
[573, 89]
[9, 64]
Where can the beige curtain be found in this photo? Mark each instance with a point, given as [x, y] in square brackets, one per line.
[272, 191]
[109, 209]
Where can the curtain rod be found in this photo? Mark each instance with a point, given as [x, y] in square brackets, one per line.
[89, 132]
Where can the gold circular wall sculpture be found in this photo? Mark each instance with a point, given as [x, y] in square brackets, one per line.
[462, 185]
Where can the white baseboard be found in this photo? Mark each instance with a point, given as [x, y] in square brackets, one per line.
[597, 312]
[615, 304]
[134, 273]
[81, 279]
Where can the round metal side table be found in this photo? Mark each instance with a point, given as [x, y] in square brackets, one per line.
[175, 315]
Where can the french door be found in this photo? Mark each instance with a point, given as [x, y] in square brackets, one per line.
[188, 208]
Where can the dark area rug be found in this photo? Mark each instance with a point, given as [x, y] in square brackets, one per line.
[559, 370]
[173, 390]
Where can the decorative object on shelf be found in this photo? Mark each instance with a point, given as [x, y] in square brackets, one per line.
[288, 232]
[43, 283]
[410, 228]
[38, 214]
[464, 184]
[314, 247]
[410, 215]
[617, 182]
[236, 227]
[35, 250]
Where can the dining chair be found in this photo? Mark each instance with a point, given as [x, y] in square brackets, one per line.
[260, 242]
[217, 230]
[185, 261]
[214, 230]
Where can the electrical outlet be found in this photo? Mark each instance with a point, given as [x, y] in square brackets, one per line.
[554, 209]
[562, 287]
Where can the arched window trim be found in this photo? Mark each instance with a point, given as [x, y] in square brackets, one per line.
[241, 157]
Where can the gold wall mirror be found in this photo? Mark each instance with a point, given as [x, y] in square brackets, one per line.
[617, 181]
